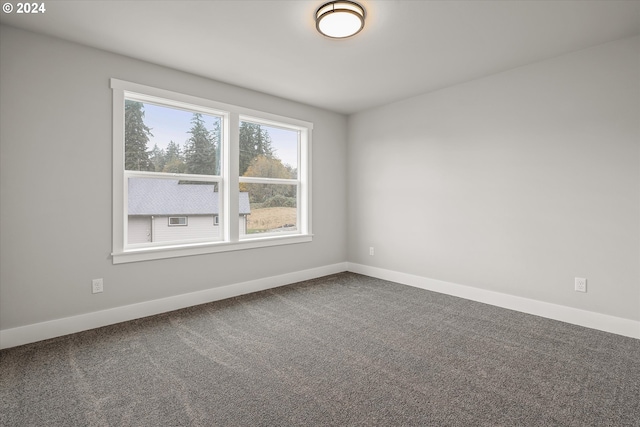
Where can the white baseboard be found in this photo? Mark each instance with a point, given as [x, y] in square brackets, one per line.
[589, 319]
[69, 325]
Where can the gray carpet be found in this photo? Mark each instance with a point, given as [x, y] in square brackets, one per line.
[341, 350]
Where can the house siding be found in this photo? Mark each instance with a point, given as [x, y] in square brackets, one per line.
[139, 229]
[198, 227]
[143, 229]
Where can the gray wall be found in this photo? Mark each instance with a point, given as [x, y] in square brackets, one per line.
[55, 185]
[515, 183]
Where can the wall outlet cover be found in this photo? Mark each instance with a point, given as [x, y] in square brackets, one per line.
[97, 286]
[580, 284]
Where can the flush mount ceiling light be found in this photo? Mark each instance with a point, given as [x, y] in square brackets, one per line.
[340, 19]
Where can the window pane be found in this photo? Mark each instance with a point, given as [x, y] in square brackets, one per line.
[268, 151]
[169, 210]
[177, 220]
[164, 139]
[272, 208]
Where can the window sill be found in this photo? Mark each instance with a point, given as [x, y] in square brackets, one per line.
[175, 251]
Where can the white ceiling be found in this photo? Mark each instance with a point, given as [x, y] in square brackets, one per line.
[406, 48]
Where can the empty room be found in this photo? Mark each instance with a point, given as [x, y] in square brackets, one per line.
[320, 213]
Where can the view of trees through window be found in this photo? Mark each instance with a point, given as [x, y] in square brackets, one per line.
[198, 154]
[170, 140]
[273, 205]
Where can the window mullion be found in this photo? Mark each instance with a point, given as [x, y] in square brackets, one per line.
[232, 182]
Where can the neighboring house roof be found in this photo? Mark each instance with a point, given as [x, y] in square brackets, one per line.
[148, 196]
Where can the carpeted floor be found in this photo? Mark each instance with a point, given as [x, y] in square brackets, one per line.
[337, 351]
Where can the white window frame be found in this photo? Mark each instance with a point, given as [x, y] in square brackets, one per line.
[180, 223]
[259, 180]
[228, 182]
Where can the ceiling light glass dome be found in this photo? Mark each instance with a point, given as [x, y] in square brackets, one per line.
[340, 19]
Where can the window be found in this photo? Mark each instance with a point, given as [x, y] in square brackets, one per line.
[269, 176]
[180, 160]
[177, 220]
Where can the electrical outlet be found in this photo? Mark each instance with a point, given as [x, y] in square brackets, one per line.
[580, 284]
[96, 286]
[371, 252]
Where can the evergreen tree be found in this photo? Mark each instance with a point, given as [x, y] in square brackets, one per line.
[200, 149]
[254, 141]
[215, 133]
[136, 137]
[158, 158]
[173, 151]
[174, 160]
